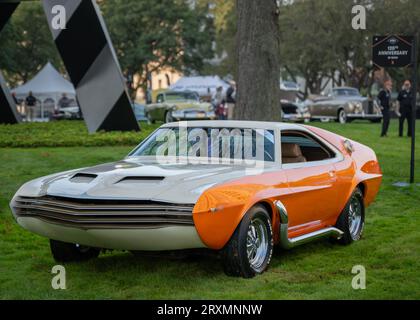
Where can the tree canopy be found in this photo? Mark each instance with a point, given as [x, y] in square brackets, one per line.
[149, 34]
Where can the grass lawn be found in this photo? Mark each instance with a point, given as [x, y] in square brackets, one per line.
[389, 250]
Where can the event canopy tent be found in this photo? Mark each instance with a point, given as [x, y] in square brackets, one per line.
[47, 86]
[204, 86]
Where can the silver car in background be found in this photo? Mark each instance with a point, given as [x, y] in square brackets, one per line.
[293, 106]
[344, 104]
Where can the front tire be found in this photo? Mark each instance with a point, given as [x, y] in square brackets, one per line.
[352, 219]
[168, 117]
[342, 116]
[249, 250]
[70, 252]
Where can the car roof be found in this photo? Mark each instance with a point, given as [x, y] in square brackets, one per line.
[235, 124]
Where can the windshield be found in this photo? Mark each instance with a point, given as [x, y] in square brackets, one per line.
[181, 96]
[346, 92]
[222, 143]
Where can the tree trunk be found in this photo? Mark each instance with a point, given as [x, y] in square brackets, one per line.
[258, 69]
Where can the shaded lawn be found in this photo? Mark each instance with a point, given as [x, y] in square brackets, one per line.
[389, 250]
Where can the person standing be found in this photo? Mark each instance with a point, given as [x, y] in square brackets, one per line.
[219, 104]
[405, 100]
[30, 103]
[384, 98]
[230, 99]
[64, 102]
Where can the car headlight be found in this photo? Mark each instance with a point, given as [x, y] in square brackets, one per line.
[356, 107]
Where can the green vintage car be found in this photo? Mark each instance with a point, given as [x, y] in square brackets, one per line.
[179, 105]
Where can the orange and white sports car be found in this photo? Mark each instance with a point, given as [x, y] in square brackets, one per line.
[231, 186]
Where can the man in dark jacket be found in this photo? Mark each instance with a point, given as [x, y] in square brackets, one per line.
[384, 98]
[405, 100]
[30, 103]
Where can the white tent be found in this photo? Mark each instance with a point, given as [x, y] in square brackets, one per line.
[47, 86]
[204, 86]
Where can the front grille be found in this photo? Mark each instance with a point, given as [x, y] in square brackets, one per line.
[103, 214]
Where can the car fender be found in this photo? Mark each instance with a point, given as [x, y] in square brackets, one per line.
[219, 210]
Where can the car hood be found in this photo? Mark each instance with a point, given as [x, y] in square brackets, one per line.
[351, 98]
[133, 179]
[192, 105]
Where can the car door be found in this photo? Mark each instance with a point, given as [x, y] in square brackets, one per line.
[312, 179]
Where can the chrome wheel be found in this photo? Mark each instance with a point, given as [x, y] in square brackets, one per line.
[355, 218]
[342, 117]
[257, 243]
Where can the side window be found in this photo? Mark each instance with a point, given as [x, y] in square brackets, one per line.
[159, 98]
[300, 147]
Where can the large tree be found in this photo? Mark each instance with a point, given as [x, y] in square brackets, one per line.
[150, 34]
[258, 69]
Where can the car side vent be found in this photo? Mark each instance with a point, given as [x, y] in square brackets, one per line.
[135, 179]
[83, 177]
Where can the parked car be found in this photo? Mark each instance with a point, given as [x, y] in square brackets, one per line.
[344, 104]
[179, 105]
[293, 104]
[272, 184]
[69, 113]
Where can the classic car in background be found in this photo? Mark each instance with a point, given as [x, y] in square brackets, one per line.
[344, 104]
[69, 113]
[302, 184]
[292, 102]
[179, 105]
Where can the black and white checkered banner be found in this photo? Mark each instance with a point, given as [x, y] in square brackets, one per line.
[89, 57]
[92, 65]
[8, 112]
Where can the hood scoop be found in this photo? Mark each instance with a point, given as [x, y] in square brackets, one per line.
[83, 177]
[144, 179]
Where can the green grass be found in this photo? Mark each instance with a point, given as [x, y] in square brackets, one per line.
[389, 249]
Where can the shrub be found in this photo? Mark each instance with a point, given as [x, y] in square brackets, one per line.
[66, 134]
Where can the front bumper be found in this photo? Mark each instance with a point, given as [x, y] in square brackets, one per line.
[183, 115]
[159, 239]
[109, 224]
[297, 117]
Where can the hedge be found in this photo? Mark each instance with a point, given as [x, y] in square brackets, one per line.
[66, 134]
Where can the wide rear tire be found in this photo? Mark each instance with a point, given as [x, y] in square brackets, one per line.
[70, 252]
[249, 250]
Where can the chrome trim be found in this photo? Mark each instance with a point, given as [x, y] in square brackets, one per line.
[288, 243]
[103, 214]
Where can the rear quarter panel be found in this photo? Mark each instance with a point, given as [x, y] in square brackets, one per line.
[361, 167]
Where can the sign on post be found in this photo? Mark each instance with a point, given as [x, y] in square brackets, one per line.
[399, 52]
[392, 51]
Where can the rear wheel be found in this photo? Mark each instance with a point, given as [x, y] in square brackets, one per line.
[352, 219]
[70, 252]
[249, 250]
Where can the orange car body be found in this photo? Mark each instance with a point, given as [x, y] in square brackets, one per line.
[314, 196]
